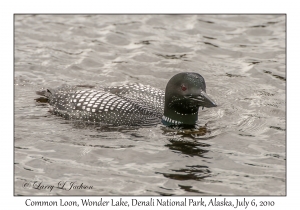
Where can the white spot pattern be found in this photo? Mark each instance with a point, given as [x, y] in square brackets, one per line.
[131, 104]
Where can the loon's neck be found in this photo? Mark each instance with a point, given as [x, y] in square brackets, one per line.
[172, 117]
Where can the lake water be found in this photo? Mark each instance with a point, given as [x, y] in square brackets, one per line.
[241, 57]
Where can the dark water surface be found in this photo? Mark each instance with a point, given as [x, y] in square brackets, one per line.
[242, 58]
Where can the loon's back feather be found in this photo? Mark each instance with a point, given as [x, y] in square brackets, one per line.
[101, 106]
[150, 98]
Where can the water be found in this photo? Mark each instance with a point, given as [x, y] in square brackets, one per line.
[241, 57]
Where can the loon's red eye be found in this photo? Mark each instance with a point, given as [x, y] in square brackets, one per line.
[183, 87]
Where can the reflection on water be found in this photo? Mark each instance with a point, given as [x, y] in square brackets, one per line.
[191, 172]
[187, 147]
[237, 148]
[184, 143]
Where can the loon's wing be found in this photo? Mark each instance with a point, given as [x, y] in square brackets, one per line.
[150, 98]
[98, 106]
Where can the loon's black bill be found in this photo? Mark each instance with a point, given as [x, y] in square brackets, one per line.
[203, 99]
[208, 102]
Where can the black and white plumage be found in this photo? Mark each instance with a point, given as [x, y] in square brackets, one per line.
[133, 104]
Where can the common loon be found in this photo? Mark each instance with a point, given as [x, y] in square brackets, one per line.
[134, 104]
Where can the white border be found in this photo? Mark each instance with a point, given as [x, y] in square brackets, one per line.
[8, 8]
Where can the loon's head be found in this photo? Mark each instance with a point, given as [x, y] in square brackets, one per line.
[185, 93]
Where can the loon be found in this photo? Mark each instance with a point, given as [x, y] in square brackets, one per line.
[133, 104]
